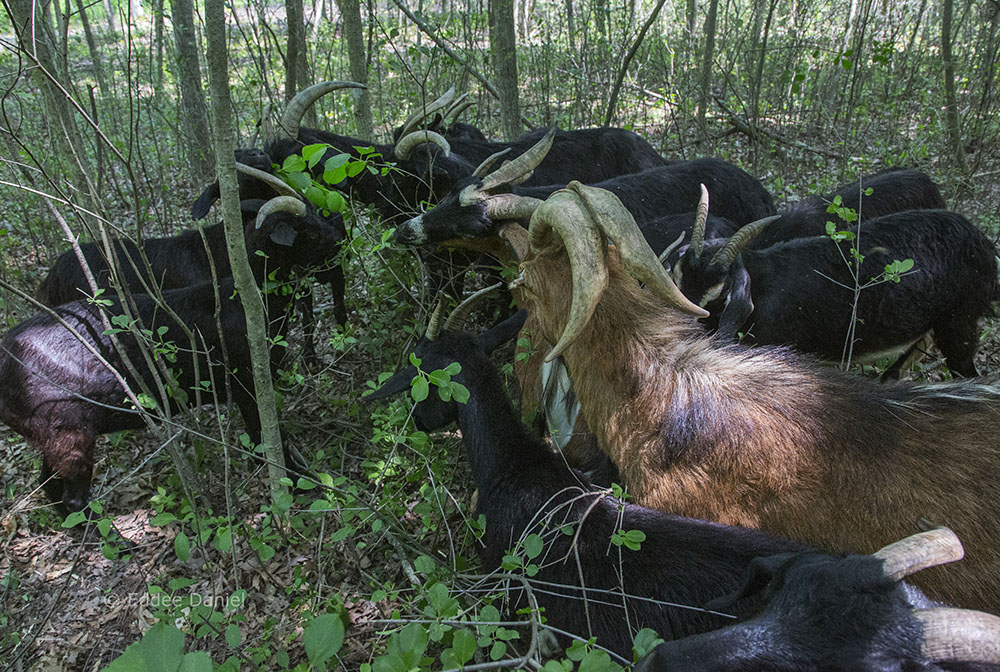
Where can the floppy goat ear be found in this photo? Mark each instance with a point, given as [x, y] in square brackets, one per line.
[283, 235]
[398, 382]
[503, 332]
[758, 575]
[205, 202]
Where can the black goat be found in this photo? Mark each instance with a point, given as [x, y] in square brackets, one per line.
[186, 260]
[893, 190]
[802, 292]
[481, 202]
[59, 396]
[825, 613]
[587, 588]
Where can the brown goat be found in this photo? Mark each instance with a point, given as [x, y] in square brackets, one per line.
[755, 437]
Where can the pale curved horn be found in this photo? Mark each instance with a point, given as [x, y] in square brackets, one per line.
[700, 222]
[520, 166]
[434, 323]
[920, 551]
[456, 109]
[442, 102]
[275, 182]
[290, 204]
[619, 225]
[727, 255]
[407, 143]
[563, 215]
[503, 207]
[291, 118]
[959, 635]
[488, 162]
[670, 248]
[464, 309]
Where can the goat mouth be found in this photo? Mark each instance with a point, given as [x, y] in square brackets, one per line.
[411, 232]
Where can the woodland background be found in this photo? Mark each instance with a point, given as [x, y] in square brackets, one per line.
[104, 111]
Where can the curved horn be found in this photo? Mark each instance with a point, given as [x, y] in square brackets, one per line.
[290, 204]
[464, 309]
[959, 635]
[700, 221]
[442, 102]
[434, 323]
[670, 248]
[727, 255]
[563, 215]
[291, 118]
[639, 258]
[520, 166]
[456, 109]
[407, 143]
[484, 167]
[920, 551]
[503, 207]
[275, 182]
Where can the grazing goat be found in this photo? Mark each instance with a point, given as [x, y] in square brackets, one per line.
[185, 260]
[656, 197]
[893, 190]
[59, 396]
[587, 589]
[802, 292]
[759, 437]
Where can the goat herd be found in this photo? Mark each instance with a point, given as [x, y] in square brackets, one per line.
[783, 502]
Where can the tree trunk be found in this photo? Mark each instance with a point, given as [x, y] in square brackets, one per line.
[194, 116]
[503, 50]
[246, 287]
[158, 31]
[95, 53]
[616, 89]
[350, 10]
[951, 103]
[109, 12]
[706, 65]
[295, 55]
[571, 29]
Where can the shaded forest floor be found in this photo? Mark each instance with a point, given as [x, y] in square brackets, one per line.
[65, 606]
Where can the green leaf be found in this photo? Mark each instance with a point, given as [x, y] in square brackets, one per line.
[414, 360]
[224, 539]
[313, 154]
[424, 564]
[335, 202]
[74, 519]
[463, 645]
[595, 661]
[354, 168]
[438, 377]
[533, 546]
[300, 181]
[294, 164]
[453, 369]
[182, 547]
[196, 661]
[645, 641]
[162, 648]
[234, 636]
[460, 392]
[323, 638]
[336, 161]
[412, 640]
[420, 388]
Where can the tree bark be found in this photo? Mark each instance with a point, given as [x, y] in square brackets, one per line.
[706, 65]
[95, 53]
[350, 11]
[951, 102]
[194, 116]
[109, 12]
[503, 51]
[225, 133]
[295, 54]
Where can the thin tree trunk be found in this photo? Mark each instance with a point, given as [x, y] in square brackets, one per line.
[95, 53]
[158, 31]
[951, 102]
[109, 12]
[350, 10]
[503, 52]
[295, 53]
[571, 28]
[246, 287]
[194, 116]
[706, 65]
[616, 89]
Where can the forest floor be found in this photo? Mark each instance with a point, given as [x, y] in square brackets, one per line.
[64, 606]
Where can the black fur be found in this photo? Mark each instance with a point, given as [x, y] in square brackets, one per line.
[682, 561]
[60, 398]
[788, 293]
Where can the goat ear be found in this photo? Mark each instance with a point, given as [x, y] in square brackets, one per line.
[503, 332]
[755, 579]
[396, 383]
[284, 234]
[739, 304]
[204, 202]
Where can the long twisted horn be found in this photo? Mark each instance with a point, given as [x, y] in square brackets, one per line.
[407, 143]
[290, 204]
[960, 635]
[291, 118]
[464, 309]
[488, 162]
[520, 166]
[920, 551]
[727, 255]
[442, 102]
[434, 323]
[619, 225]
[276, 183]
[503, 207]
[700, 221]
